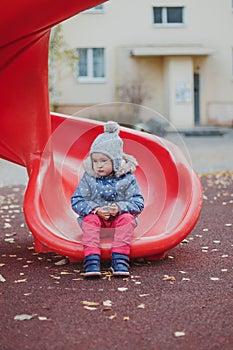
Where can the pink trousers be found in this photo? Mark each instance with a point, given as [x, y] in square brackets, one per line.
[123, 226]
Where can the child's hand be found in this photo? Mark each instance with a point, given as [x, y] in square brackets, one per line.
[103, 212]
[113, 209]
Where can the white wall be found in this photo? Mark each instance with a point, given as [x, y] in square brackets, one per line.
[128, 23]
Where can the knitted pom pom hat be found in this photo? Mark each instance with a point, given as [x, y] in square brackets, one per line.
[110, 144]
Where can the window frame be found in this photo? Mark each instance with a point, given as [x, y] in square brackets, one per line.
[164, 22]
[90, 66]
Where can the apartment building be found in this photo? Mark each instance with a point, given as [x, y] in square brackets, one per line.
[176, 54]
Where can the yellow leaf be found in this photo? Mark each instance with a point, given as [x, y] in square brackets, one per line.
[107, 308]
[90, 303]
[169, 278]
[77, 279]
[21, 281]
[126, 318]
[141, 306]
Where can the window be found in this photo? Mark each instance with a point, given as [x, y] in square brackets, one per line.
[91, 64]
[96, 9]
[168, 15]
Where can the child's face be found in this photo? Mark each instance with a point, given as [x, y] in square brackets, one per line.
[102, 164]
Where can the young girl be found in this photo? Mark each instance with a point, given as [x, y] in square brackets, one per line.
[108, 196]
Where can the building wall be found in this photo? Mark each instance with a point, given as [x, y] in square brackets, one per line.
[126, 24]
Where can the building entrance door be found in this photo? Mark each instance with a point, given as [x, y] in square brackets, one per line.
[196, 98]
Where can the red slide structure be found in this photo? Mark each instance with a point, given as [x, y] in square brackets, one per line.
[52, 147]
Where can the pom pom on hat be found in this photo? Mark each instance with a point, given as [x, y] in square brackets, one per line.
[109, 143]
[112, 127]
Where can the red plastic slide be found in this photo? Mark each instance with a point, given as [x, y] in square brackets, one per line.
[52, 147]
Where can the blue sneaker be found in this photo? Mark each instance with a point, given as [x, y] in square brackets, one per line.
[92, 266]
[120, 265]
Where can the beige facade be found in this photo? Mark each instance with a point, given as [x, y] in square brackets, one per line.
[178, 52]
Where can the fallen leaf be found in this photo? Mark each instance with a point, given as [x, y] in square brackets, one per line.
[55, 277]
[62, 262]
[10, 234]
[9, 240]
[77, 279]
[107, 303]
[141, 306]
[23, 317]
[214, 278]
[42, 318]
[90, 308]
[112, 317]
[122, 289]
[228, 225]
[2, 279]
[169, 278]
[90, 303]
[21, 281]
[126, 318]
[179, 334]
[144, 295]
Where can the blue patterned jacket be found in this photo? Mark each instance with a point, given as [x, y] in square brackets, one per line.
[122, 189]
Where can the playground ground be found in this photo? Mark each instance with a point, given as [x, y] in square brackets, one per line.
[184, 302]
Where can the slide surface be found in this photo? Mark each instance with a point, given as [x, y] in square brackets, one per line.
[171, 189]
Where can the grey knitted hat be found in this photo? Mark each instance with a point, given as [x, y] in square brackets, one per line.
[110, 144]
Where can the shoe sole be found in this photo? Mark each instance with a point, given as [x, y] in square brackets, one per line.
[92, 274]
[119, 273]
